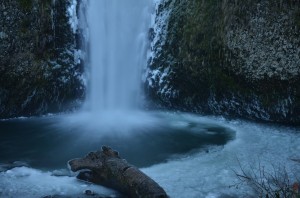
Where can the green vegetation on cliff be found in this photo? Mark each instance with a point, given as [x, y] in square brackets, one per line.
[25, 4]
[239, 58]
[38, 70]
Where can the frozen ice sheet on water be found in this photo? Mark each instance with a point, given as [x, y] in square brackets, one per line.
[30, 183]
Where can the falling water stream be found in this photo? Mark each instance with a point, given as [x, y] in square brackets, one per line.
[118, 41]
[189, 155]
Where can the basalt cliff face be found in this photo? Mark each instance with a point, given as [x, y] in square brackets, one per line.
[235, 58]
[40, 66]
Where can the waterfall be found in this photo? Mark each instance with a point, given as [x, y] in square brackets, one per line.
[118, 42]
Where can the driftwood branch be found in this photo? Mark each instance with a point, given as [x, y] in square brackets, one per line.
[108, 169]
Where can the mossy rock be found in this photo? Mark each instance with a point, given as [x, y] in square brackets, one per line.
[26, 4]
[207, 74]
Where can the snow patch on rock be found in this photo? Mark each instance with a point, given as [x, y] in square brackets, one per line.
[72, 14]
[159, 26]
[158, 77]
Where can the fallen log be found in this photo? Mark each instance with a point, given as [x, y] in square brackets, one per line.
[108, 169]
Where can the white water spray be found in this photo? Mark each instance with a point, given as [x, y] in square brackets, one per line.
[118, 42]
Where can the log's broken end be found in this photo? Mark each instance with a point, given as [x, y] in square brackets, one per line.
[93, 160]
[88, 162]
